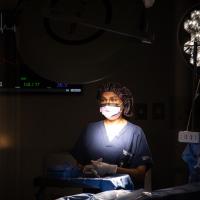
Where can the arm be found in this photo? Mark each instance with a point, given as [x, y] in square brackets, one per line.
[138, 173]
[141, 161]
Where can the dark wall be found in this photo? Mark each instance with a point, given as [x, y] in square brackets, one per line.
[33, 126]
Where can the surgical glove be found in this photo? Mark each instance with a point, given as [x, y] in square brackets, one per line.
[88, 169]
[103, 168]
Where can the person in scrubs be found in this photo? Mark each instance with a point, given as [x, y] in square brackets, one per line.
[114, 145]
[191, 155]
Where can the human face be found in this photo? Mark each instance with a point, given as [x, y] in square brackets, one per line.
[111, 105]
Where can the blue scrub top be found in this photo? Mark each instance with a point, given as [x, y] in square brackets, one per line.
[128, 149]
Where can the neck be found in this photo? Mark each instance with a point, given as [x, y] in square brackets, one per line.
[120, 120]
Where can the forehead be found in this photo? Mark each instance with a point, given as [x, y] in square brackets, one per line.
[109, 95]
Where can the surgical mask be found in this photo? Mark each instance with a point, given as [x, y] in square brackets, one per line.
[111, 111]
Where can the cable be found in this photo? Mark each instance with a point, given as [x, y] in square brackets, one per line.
[196, 94]
[195, 79]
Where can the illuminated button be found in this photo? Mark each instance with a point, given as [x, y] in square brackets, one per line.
[75, 90]
[67, 90]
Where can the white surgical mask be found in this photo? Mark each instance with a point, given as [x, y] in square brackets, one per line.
[110, 111]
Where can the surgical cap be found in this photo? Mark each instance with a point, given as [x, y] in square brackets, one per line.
[122, 92]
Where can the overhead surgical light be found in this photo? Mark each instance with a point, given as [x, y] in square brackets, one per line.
[192, 27]
[195, 14]
[189, 43]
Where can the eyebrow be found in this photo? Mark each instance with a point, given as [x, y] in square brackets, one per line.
[115, 96]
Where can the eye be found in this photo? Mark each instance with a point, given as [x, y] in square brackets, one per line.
[103, 100]
[114, 99]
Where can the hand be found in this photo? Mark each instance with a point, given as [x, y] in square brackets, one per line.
[103, 168]
[88, 169]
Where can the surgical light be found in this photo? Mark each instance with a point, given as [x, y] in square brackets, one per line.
[189, 43]
[195, 14]
[192, 26]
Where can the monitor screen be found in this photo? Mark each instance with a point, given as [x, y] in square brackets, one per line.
[15, 76]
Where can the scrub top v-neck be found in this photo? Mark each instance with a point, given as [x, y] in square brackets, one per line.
[94, 144]
[107, 142]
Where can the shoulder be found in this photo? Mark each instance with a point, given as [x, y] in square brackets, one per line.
[94, 125]
[135, 128]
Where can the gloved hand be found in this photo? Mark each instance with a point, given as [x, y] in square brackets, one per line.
[89, 170]
[103, 168]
